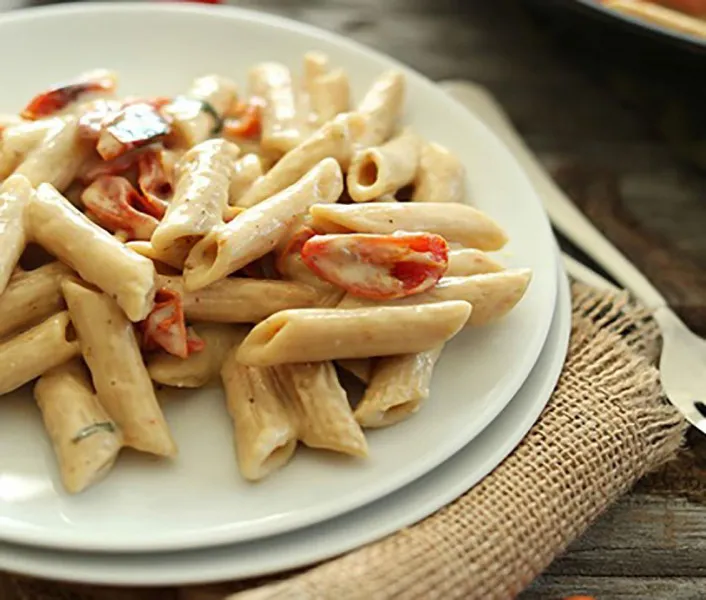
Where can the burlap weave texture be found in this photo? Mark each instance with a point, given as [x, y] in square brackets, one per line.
[605, 426]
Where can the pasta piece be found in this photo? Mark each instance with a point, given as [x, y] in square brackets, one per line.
[91, 251]
[454, 222]
[110, 349]
[492, 295]
[399, 384]
[58, 158]
[31, 297]
[329, 96]
[196, 116]
[334, 139]
[28, 355]
[324, 417]
[361, 368]
[382, 107]
[316, 64]
[318, 334]
[200, 197]
[280, 128]
[241, 300]
[265, 436]
[469, 261]
[15, 195]
[173, 259]
[20, 139]
[258, 230]
[440, 176]
[200, 367]
[384, 169]
[245, 172]
[85, 439]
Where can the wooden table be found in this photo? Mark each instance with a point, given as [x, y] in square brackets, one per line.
[602, 131]
[623, 141]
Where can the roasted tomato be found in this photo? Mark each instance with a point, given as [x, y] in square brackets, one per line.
[61, 95]
[134, 126]
[380, 267]
[154, 180]
[247, 121]
[166, 328]
[118, 207]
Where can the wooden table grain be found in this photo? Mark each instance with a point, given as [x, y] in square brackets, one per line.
[611, 135]
[625, 142]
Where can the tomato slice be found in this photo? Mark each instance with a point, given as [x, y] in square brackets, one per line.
[379, 267]
[113, 203]
[134, 126]
[248, 120]
[153, 181]
[60, 96]
[165, 326]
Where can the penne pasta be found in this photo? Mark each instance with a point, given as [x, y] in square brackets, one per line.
[172, 240]
[311, 335]
[320, 405]
[15, 194]
[241, 300]
[455, 222]
[28, 355]
[199, 114]
[492, 295]
[58, 157]
[361, 368]
[86, 441]
[265, 435]
[382, 107]
[21, 138]
[335, 139]
[200, 367]
[280, 124]
[96, 255]
[245, 173]
[200, 197]
[469, 261]
[316, 64]
[399, 384]
[31, 297]
[440, 177]
[109, 347]
[329, 96]
[258, 230]
[384, 169]
[172, 259]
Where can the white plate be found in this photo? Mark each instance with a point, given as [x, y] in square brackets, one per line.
[199, 499]
[323, 541]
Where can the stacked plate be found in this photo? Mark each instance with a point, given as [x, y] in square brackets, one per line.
[194, 517]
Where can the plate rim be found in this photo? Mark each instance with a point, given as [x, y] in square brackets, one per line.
[224, 534]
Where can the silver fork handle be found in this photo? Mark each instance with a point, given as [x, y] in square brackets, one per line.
[563, 213]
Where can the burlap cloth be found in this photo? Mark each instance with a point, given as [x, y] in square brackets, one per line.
[605, 426]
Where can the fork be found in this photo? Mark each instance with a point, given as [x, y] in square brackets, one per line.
[683, 360]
